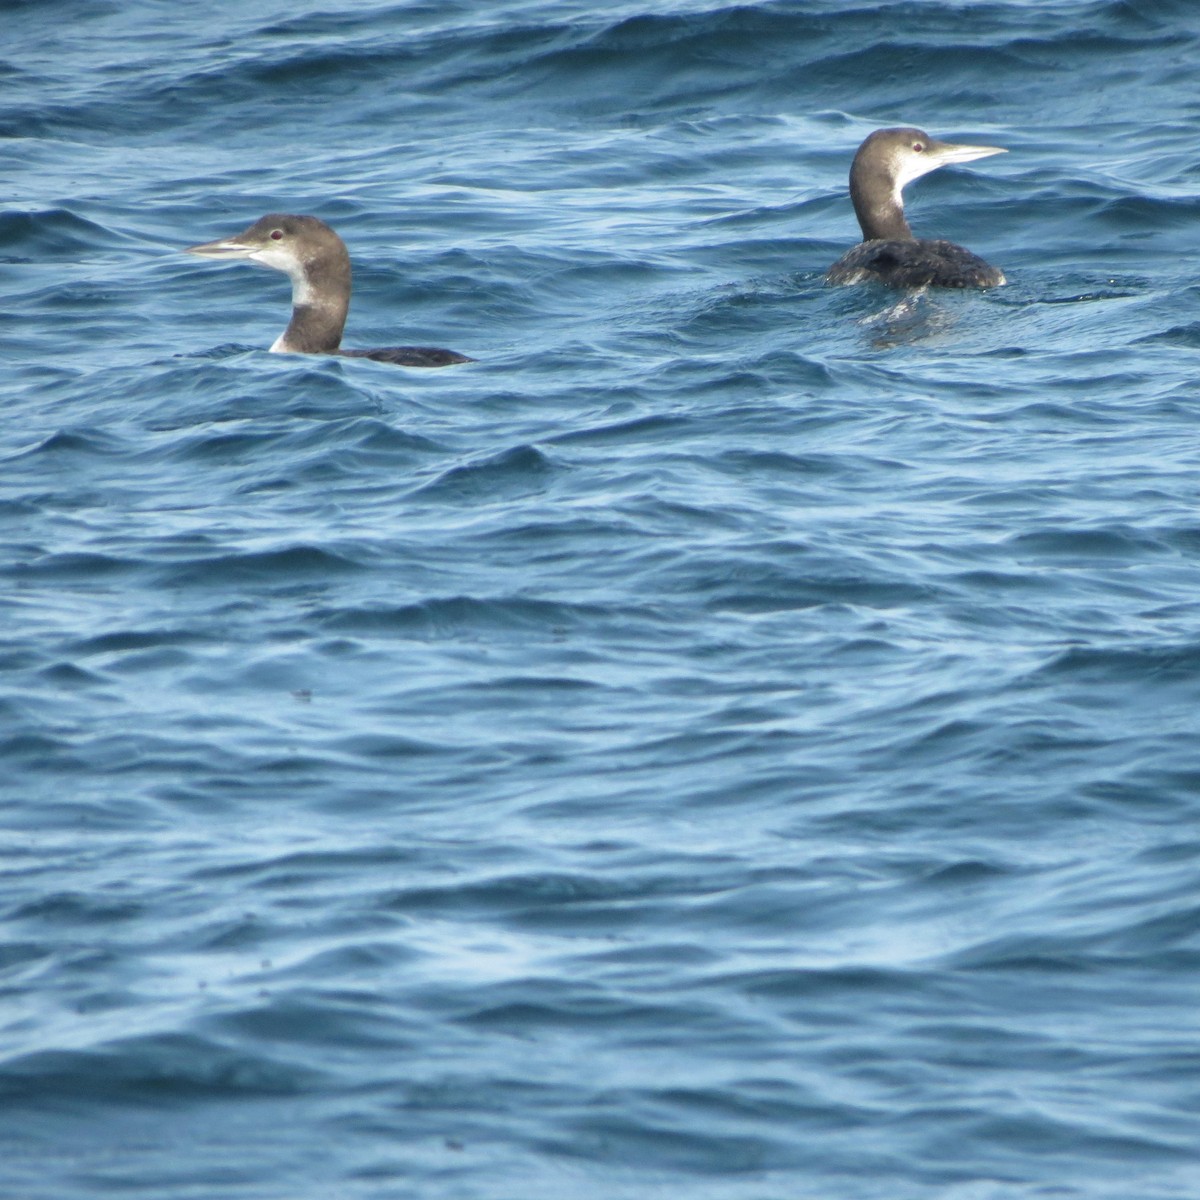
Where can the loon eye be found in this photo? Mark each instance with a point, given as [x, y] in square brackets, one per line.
[917, 146]
[276, 234]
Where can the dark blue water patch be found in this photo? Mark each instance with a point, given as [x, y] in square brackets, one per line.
[70, 675]
[52, 235]
[1087, 547]
[249, 383]
[453, 616]
[520, 471]
[332, 1020]
[797, 578]
[1186, 336]
[1164, 941]
[343, 452]
[70, 908]
[637, 430]
[17, 957]
[304, 867]
[657, 1144]
[212, 448]
[549, 901]
[1139, 216]
[75, 566]
[662, 59]
[282, 565]
[71, 444]
[382, 748]
[34, 752]
[1165, 664]
[156, 1069]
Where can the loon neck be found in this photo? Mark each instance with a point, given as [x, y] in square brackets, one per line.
[320, 302]
[878, 204]
[313, 329]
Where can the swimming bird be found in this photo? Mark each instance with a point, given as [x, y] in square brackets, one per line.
[318, 264]
[889, 253]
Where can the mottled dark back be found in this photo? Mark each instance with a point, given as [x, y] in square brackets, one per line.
[410, 356]
[922, 262]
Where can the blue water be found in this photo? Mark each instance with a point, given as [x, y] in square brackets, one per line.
[738, 739]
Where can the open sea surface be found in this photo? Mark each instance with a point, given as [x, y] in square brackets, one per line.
[738, 740]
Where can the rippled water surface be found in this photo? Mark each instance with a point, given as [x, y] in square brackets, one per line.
[737, 739]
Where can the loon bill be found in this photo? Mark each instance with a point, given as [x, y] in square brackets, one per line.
[318, 264]
[888, 253]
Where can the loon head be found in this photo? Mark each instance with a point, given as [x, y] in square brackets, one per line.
[891, 158]
[906, 154]
[303, 248]
[318, 264]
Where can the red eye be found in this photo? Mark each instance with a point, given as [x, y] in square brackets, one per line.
[276, 234]
[917, 146]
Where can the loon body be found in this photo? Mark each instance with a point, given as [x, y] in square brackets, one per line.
[889, 253]
[318, 264]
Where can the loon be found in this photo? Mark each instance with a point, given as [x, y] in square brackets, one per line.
[318, 264]
[889, 253]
